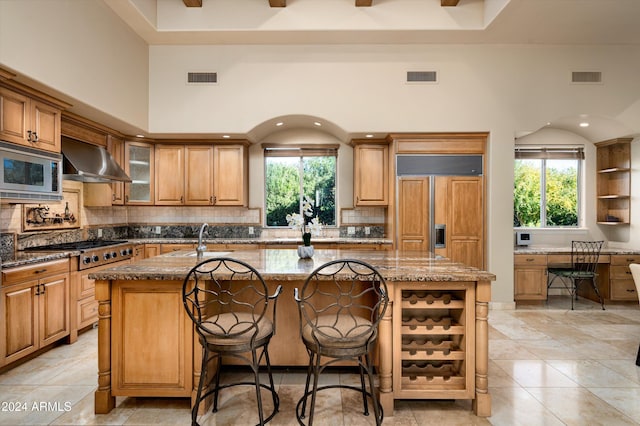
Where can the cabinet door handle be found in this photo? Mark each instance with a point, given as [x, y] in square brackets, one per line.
[215, 199]
[182, 199]
[35, 137]
[210, 200]
[44, 289]
[37, 289]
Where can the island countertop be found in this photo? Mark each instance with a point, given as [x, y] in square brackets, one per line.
[285, 265]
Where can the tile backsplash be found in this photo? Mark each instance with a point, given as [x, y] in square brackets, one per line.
[118, 222]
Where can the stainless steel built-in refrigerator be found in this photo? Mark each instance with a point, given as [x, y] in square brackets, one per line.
[440, 202]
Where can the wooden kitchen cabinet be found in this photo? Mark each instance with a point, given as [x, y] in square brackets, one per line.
[151, 250]
[139, 166]
[230, 175]
[530, 277]
[371, 172]
[201, 175]
[169, 175]
[621, 284]
[29, 121]
[613, 185]
[35, 308]
[184, 175]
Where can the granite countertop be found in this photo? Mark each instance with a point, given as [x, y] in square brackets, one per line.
[274, 241]
[285, 265]
[19, 258]
[567, 250]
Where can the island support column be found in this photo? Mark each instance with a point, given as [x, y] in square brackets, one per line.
[385, 370]
[482, 401]
[104, 400]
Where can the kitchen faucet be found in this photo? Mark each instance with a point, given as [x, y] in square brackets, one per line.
[201, 247]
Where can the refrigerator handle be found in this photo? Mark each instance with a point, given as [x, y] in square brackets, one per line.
[441, 235]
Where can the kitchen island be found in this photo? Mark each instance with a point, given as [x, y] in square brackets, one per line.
[433, 339]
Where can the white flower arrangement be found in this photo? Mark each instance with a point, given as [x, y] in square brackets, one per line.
[299, 222]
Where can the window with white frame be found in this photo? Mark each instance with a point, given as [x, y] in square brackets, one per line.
[547, 187]
[293, 172]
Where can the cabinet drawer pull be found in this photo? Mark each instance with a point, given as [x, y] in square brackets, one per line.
[631, 290]
[529, 259]
[40, 271]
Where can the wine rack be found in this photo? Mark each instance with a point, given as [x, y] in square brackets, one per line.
[434, 341]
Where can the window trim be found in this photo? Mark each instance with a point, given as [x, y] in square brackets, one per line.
[300, 151]
[544, 153]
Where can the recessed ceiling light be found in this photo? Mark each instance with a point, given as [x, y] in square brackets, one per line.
[226, 136]
[369, 136]
[548, 123]
[139, 136]
[584, 124]
[317, 123]
[279, 123]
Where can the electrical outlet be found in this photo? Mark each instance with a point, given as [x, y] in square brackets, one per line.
[351, 230]
[158, 230]
[367, 230]
[251, 230]
[99, 233]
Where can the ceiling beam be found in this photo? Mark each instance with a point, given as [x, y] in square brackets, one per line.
[449, 2]
[363, 3]
[278, 3]
[193, 3]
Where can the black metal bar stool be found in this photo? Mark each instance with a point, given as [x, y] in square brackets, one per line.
[228, 302]
[340, 306]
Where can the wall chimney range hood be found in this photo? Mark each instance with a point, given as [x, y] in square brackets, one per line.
[90, 163]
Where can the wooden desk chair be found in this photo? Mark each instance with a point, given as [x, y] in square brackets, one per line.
[340, 306]
[228, 301]
[635, 272]
[584, 262]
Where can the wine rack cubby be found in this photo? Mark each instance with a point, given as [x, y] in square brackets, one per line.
[434, 341]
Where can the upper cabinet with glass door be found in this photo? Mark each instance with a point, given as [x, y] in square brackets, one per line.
[139, 163]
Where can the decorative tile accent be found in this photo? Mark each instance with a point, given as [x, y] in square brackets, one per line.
[7, 245]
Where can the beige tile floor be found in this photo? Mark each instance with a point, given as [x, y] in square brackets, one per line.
[548, 366]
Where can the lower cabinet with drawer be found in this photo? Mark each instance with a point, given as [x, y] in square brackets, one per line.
[621, 285]
[530, 277]
[35, 308]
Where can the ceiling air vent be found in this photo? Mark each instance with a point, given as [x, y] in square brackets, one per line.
[422, 77]
[586, 77]
[202, 78]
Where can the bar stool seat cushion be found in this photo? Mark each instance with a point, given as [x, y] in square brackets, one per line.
[235, 329]
[338, 331]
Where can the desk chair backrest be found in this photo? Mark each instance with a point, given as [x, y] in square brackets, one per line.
[584, 256]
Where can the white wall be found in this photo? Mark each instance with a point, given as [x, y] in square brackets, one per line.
[81, 49]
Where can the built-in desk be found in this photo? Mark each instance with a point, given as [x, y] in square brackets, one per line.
[614, 277]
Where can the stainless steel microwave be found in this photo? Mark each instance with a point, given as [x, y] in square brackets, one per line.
[29, 174]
